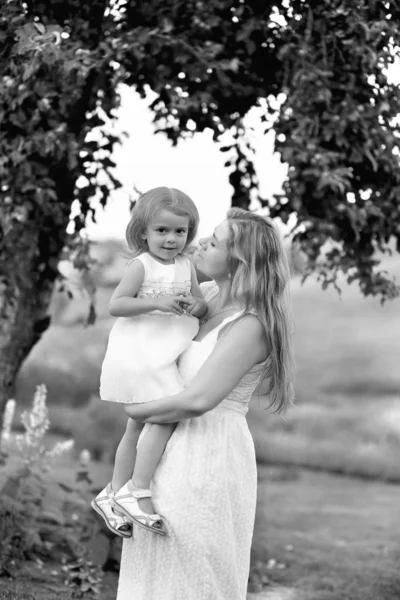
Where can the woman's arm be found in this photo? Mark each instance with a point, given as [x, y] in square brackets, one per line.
[236, 352]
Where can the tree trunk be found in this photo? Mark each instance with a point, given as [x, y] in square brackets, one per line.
[29, 257]
[33, 235]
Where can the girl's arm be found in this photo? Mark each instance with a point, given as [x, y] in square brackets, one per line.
[123, 302]
[240, 348]
[198, 306]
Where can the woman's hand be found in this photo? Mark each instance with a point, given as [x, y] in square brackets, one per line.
[166, 410]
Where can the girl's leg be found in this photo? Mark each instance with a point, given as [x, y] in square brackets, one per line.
[148, 456]
[123, 468]
[126, 455]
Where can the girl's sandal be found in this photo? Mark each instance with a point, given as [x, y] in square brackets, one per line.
[126, 499]
[103, 504]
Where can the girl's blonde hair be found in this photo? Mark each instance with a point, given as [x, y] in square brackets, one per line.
[146, 208]
[260, 279]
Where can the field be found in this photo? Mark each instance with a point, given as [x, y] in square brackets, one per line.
[326, 526]
[347, 413]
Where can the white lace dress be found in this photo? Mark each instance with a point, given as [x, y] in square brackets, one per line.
[205, 489]
[140, 362]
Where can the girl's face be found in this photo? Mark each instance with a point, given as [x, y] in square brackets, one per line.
[213, 258]
[166, 235]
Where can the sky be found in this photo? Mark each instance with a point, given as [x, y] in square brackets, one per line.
[196, 166]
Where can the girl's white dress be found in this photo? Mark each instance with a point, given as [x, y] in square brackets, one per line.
[205, 489]
[140, 361]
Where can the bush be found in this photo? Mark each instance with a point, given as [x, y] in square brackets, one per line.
[28, 501]
[42, 517]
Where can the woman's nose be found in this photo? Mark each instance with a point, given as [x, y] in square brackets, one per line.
[203, 242]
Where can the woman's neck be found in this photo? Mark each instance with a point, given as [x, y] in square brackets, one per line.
[224, 299]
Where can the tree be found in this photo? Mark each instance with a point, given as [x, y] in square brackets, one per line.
[208, 63]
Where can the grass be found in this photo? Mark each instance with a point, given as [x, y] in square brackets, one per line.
[45, 583]
[325, 537]
[336, 536]
[347, 413]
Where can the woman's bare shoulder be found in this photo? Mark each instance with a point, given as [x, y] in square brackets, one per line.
[248, 333]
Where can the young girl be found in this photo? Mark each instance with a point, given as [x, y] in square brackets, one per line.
[156, 301]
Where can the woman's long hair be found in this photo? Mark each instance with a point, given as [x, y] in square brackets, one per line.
[146, 208]
[260, 280]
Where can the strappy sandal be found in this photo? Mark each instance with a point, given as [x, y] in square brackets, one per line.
[126, 499]
[103, 504]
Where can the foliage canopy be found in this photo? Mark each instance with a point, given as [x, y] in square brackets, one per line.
[209, 63]
[315, 69]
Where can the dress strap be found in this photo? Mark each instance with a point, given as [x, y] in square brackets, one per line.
[233, 318]
[237, 317]
[229, 320]
[183, 268]
[141, 258]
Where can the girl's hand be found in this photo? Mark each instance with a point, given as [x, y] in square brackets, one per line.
[197, 307]
[172, 304]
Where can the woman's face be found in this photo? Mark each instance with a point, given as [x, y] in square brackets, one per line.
[213, 258]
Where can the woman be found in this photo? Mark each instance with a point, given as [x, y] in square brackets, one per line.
[205, 485]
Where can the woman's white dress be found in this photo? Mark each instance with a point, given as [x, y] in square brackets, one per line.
[205, 489]
[140, 362]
